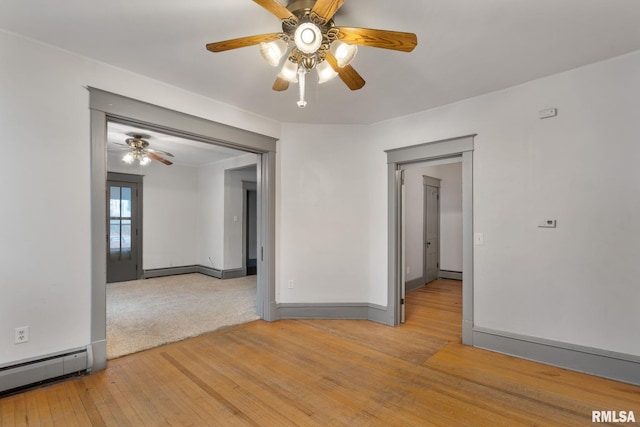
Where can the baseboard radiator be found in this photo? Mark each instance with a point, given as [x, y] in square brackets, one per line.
[36, 371]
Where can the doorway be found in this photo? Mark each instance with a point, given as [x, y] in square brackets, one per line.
[397, 160]
[104, 107]
[124, 216]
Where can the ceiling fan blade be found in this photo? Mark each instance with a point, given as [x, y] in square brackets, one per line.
[347, 73]
[158, 158]
[166, 153]
[277, 9]
[327, 8]
[280, 84]
[242, 42]
[393, 40]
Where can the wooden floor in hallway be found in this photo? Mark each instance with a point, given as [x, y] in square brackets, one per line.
[326, 373]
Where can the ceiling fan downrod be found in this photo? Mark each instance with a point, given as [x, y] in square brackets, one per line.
[302, 72]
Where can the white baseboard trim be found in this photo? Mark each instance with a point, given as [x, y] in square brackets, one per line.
[602, 363]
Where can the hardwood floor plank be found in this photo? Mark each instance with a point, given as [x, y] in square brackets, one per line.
[406, 344]
[327, 373]
[256, 378]
[549, 384]
[10, 411]
[87, 400]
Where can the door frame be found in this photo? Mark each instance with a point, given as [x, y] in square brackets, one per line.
[128, 178]
[396, 159]
[106, 106]
[428, 181]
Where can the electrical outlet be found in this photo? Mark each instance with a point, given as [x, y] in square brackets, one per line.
[22, 334]
[290, 284]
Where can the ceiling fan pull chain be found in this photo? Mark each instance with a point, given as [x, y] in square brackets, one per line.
[302, 72]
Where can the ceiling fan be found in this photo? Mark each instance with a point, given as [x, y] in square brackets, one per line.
[312, 41]
[139, 150]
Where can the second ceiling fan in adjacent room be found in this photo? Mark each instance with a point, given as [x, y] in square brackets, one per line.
[138, 150]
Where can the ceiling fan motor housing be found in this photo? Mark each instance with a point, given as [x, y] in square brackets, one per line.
[311, 34]
[300, 7]
[136, 141]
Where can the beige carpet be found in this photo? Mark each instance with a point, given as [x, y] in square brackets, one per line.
[142, 314]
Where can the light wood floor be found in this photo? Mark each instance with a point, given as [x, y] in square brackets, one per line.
[333, 372]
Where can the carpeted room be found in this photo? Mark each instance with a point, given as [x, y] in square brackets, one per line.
[143, 314]
[192, 215]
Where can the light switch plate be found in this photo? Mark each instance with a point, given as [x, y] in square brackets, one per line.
[478, 239]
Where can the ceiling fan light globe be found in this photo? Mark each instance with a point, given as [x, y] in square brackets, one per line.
[344, 53]
[325, 72]
[273, 52]
[145, 160]
[308, 37]
[128, 158]
[289, 72]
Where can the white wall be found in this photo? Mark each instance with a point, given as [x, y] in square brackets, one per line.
[170, 212]
[577, 283]
[450, 213]
[188, 211]
[574, 284]
[233, 213]
[323, 214]
[45, 275]
[450, 217]
[213, 216]
[170, 216]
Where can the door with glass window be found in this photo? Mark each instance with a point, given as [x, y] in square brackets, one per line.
[124, 233]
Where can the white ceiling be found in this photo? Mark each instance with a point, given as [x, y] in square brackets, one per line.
[186, 152]
[465, 48]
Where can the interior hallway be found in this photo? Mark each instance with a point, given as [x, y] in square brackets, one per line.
[327, 372]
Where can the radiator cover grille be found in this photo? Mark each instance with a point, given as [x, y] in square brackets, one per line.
[46, 368]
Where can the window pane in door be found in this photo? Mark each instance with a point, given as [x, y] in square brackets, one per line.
[125, 239]
[114, 202]
[125, 202]
[120, 223]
